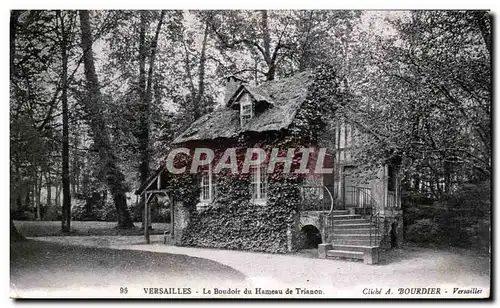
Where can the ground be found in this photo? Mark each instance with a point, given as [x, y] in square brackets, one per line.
[53, 228]
[41, 268]
[100, 265]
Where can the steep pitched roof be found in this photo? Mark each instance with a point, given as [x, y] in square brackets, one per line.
[286, 96]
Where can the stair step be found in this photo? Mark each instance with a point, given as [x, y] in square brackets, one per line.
[340, 212]
[353, 236]
[345, 254]
[360, 248]
[365, 231]
[353, 226]
[350, 221]
[351, 241]
[347, 216]
[317, 213]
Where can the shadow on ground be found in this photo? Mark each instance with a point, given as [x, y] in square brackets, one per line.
[84, 228]
[38, 265]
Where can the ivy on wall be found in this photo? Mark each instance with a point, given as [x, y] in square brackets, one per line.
[232, 221]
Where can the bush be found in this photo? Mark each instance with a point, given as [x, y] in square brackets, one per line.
[136, 211]
[79, 210]
[107, 212]
[52, 212]
[22, 215]
[460, 219]
[160, 212]
[423, 231]
[162, 215]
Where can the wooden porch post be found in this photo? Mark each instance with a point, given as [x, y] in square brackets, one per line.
[172, 216]
[146, 217]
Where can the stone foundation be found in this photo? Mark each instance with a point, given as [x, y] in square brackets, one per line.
[391, 231]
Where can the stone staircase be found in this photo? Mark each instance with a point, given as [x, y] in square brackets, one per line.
[350, 238]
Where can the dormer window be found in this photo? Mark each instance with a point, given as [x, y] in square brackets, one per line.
[246, 109]
[250, 101]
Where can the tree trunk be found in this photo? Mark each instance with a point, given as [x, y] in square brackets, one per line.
[33, 194]
[27, 196]
[114, 176]
[447, 171]
[58, 196]
[49, 189]
[143, 129]
[66, 207]
[146, 89]
[483, 21]
[266, 38]
[38, 192]
[201, 72]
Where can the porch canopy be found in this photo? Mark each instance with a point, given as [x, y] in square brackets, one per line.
[155, 185]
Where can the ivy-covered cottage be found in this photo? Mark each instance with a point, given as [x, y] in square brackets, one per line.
[272, 207]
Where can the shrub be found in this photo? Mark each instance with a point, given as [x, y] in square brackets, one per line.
[79, 210]
[423, 231]
[107, 212]
[136, 211]
[52, 212]
[160, 212]
[22, 215]
[162, 215]
[460, 219]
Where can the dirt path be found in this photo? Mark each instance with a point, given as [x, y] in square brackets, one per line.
[400, 268]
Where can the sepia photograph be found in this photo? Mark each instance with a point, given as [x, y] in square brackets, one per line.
[250, 154]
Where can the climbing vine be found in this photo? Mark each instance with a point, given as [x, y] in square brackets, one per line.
[231, 220]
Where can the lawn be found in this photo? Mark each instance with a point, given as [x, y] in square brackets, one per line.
[43, 266]
[53, 228]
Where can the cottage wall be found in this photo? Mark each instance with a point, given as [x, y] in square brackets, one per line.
[181, 221]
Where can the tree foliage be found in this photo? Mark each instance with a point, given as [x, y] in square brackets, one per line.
[422, 94]
[416, 84]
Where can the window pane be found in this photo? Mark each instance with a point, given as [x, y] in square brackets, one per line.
[214, 187]
[254, 185]
[263, 183]
[258, 183]
[205, 186]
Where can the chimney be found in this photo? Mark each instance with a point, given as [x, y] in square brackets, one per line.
[232, 83]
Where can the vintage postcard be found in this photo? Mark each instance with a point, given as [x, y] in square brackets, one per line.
[248, 154]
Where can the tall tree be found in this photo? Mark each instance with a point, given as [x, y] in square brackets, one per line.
[234, 30]
[146, 86]
[197, 92]
[279, 43]
[145, 91]
[66, 207]
[93, 105]
[14, 16]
